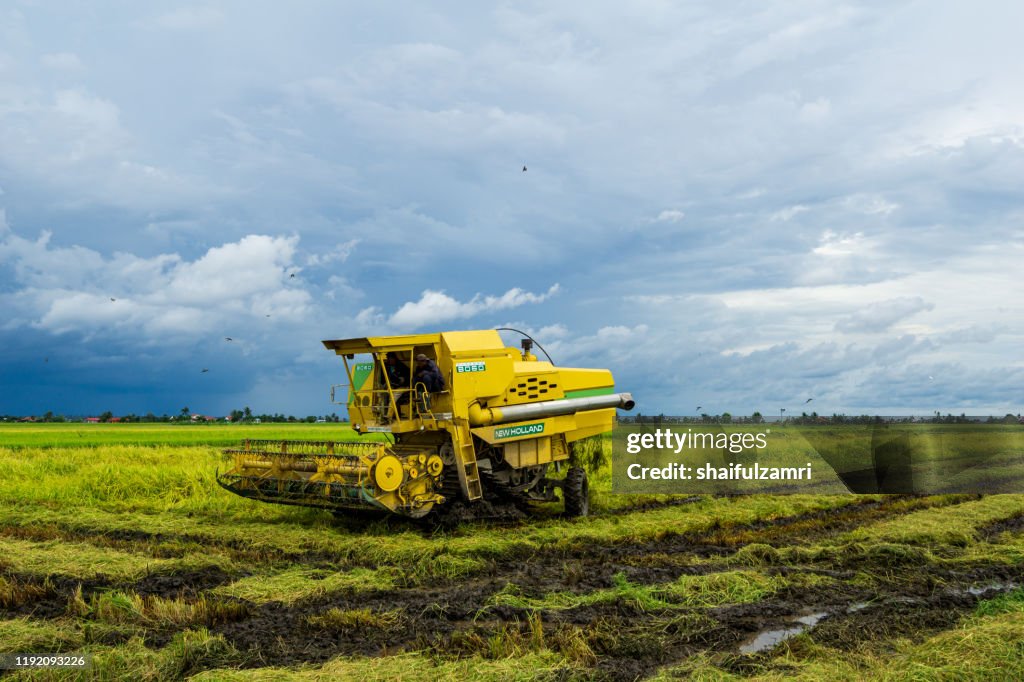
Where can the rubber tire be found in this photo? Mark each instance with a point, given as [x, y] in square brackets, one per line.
[576, 493]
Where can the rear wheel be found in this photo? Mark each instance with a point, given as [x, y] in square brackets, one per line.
[576, 492]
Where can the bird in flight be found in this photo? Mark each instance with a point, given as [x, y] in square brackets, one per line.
[113, 299]
[524, 169]
[808, 400]
[699, 406]
[268, 314]
[205, 370]
[292, 275]
[228, 338]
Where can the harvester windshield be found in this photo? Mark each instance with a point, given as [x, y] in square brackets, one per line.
[385, 380]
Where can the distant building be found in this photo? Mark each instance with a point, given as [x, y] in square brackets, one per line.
[91, 420]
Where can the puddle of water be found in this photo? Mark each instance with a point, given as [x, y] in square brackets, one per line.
[998, 587]
[812, 619]
[979, 590]
[766, 639]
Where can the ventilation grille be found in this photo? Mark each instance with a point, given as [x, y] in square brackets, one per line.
[530, 388]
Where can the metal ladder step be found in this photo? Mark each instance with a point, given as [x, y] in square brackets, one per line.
[469, 473]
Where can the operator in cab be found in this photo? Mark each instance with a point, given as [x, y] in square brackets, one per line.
[428, 374]
[397, 371]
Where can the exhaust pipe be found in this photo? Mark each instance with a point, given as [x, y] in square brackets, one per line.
[482, 416]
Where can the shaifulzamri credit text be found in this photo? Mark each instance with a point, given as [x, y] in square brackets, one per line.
[707, 472]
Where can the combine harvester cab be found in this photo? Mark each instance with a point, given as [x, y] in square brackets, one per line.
[500, 424]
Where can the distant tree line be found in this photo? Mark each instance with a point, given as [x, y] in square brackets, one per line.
[245, 415]
[724, 418]
[814, 418]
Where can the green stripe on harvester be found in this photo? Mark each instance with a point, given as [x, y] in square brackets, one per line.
[587, 392]
[360, 372]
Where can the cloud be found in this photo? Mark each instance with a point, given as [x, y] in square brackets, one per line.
[870, 204]
[946, 387]
[257, 264]
[838, 245]
[62, 61]
[878, 317]
[339, 254]
[843, 257]
[791, 37]
[93, 111]
[553, 331]
[815, 111]
[610, 345]
[823, 174]
[431, 127]
[338, 286]
[436, 306]
[73, 145]
[670, 216]
[788, 213]
[191, 18]
[973, 334]
[76, 289]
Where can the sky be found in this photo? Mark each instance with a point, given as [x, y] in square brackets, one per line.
[736, 206]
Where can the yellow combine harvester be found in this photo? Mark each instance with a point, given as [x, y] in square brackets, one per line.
[499, 424]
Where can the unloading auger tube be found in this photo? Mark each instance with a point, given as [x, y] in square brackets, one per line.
[500, 424]
[480, 416]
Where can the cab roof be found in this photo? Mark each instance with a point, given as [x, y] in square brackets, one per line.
[483, 339]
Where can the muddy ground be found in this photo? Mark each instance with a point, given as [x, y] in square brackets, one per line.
[905, 598]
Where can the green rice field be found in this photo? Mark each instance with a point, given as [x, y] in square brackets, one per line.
[116, 542]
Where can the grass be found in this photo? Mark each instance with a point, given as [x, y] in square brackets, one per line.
[84, 560]
[354, 619]
[27, 635]
[138, 503]
[941, 534]
[119, 607]
[74, 435]
[187, 651]
[957, 526]
[692, 591]
[298, 583]
[214, 517]
[409, 667]
[983, 646]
